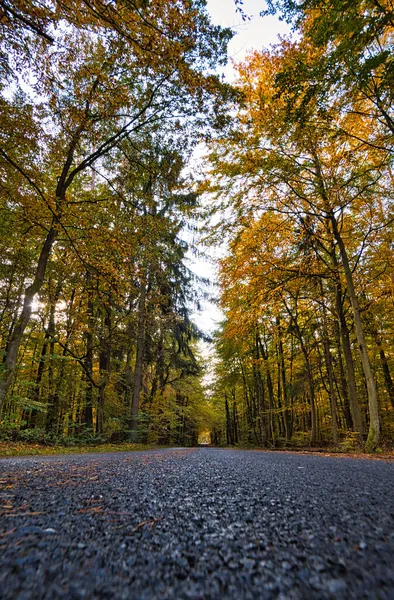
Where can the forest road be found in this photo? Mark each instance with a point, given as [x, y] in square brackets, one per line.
[196, 524]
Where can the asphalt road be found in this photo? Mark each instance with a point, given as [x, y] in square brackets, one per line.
[197, 524]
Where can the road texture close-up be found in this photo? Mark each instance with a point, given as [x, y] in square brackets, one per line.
[196, 523]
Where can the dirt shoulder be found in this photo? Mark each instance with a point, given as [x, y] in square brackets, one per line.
[385, 455]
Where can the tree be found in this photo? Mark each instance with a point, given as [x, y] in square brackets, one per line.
[99, 80]
[324, 185]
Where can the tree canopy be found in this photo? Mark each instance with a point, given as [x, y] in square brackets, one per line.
[102, 106]
[304, 178]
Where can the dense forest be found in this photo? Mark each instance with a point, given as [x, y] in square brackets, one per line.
[304, 178]
[102, 105]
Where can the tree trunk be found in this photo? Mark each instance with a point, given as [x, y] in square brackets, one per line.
[36, 390]
[53, 398]
[17, 334]
[271, 395]
[387, 375]
[137, 383]
[383, 361]
[328, 360]
[343, 382]
[309, 374]
[330, 218]
[347, 351]
[235, 419]
[374, 425]
[260, 395]
[286, 415]
[229, 428]
[88, 410]
[105, 368]
[53, 414]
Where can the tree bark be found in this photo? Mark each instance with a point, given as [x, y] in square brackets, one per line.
[330, 373]
[88, 410]
[383, 360]
[387, 375]
[374, 424]
[31, 419]
[309, 375]
[343, 381]
[105, 368]
[137, 383]
[271, 395]
[286, 415]
[347, 351]
[331, 219]
[53, 414]
[229, 429]
[17, 334]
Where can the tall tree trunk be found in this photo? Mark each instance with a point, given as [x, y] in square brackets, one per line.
[331, 219]
[383, 360]
[347, 351]
[35, 396]
[260, 395]
[281, 422]
[330, 372]
[311, 396]
[53, 410]
[250, 417]
[52, 420]
[229, 427]
[387, 375]
[88, 362]
[374, 425]
[235, 419]
[343, 381]
[19, 329]
[105, 368]
[48, 340]
[286, 415]
[312, 399]
[18, 303]
[137, 383]
[271, 395]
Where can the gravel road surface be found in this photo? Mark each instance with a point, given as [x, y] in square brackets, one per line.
[197, 524]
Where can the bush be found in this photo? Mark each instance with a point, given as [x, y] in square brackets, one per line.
[9, 429]
[350, 442]
[10, 432]
[84, 438]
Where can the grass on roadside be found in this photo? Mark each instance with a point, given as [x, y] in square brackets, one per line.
[386, 454]
[30, 449]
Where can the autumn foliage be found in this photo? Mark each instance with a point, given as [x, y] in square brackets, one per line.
[304, 181]
[101, 105]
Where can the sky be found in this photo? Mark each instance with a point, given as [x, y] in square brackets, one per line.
[254, 34]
